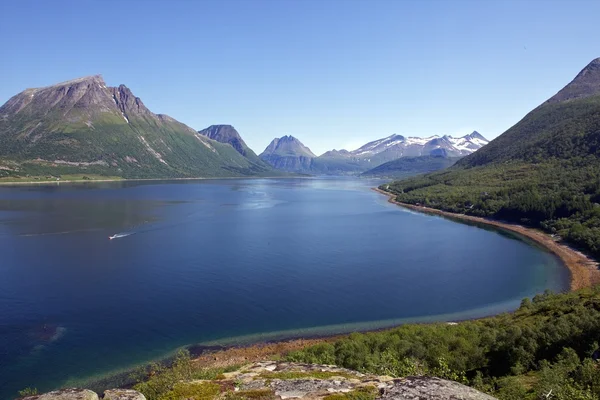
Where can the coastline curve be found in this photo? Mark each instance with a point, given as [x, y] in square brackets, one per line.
[583, 269]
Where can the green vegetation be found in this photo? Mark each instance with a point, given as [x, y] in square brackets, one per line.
[257, 394]
[561, 197]
[547, 344]
[161, 382]
[192, 390]
[360, 393]
[543, 172]
[57, 133]
[28, 392]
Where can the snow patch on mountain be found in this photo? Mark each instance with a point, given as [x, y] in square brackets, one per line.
[456, 146]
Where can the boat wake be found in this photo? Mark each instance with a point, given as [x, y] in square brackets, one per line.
[120, 235]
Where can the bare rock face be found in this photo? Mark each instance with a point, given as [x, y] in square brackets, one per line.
[310, 381]
[226, 134]
[123, 394]
[430, 388]
[66, 394]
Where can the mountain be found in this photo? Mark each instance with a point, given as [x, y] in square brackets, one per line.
[83, 126]
[289, 154]
[542, 172]
[228, 134]
[409, 166]
[394, 147]
[292, 155]
[565, 126]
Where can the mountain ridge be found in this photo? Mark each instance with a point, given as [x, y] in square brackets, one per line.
[83, 126]
[295, 158]
[585, 84]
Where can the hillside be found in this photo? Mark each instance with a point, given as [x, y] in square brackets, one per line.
[409, 166]
[542, 172]
[229, 135]
[85, 127]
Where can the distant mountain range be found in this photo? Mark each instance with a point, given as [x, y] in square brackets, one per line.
[289, 154]
[83, 126]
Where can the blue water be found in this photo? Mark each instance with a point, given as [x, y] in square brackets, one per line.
[231, 261]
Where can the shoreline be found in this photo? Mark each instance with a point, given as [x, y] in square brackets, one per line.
[33, 183]
[583, 269]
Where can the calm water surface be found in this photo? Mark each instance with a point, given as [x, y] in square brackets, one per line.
[231, 260]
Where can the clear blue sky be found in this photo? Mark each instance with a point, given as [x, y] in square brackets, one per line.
[335, 74]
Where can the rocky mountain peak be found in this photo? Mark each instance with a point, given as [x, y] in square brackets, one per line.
[475, 134]
[65, 96]
[127, 102]
[226, 134]
[98, 79]
[288, 145]
[585, 84]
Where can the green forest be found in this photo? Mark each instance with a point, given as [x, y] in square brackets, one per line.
[559, 196]
[547, 345]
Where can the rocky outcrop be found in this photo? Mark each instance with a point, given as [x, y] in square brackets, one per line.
[84, 394]
[273, 380]
[122, 394]
[66, 394]
[312, 381]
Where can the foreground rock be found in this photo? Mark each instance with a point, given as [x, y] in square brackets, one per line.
[84, 394]
[66, 394]
[311, 381]
[123, 394]
[273, 380]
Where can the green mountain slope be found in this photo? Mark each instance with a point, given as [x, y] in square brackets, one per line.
[84, 127]
[409, 166]
[543, 172]
[228, 134]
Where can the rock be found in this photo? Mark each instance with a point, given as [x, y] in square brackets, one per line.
[285, 380]
[123, 394]
[65, 394]
[431, 388]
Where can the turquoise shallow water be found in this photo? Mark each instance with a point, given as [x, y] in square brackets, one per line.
[231, 261]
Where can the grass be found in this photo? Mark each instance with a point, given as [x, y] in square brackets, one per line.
[361, 393]
[63, 178]
[256, 394]
[192, 390]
